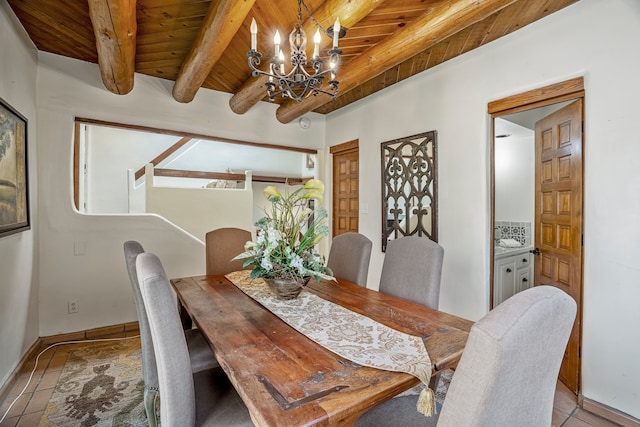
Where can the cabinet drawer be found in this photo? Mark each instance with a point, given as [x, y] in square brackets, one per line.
[523, 260]
[523, 281]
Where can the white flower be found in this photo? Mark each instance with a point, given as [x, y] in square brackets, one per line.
[273, 235]
[296, 262]
[321, 213]
[266, 264]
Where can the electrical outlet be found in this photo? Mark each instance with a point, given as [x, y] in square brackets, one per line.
[73, 306]
[79, 248]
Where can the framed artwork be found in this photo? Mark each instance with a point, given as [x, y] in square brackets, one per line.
[14, 194]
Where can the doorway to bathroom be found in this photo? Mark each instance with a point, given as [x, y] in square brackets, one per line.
[552, 186]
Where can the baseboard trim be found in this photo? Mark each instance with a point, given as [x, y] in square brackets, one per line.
[609, 413]
[129, 329]
[13, 378]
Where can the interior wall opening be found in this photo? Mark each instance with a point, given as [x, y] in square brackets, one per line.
[110, 165]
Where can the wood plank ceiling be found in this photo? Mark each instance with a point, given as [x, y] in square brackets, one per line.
[198, 43]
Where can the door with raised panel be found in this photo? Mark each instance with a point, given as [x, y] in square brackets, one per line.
[346, 171]
[558, 218]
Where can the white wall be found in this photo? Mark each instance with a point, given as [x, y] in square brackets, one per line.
[18, 252]
[591, 38]
[220, 156]
[110, 152]
[69, 88]
[514, 174]
[200, 210]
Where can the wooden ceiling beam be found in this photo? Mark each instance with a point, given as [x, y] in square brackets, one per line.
[223, 20]
[439, 23]
[350, 13]
[115, 27]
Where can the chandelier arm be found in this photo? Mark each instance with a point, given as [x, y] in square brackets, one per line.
[317, 76]
[288, 92]
[292, 94]
[253, 59]
[298, 70]
[290, 76]
[308, 89]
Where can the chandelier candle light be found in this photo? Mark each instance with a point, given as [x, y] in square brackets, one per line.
[298, 83]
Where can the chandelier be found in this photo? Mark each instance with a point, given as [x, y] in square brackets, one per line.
[299, 83]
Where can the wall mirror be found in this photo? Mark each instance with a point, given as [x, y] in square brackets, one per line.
[409, 187]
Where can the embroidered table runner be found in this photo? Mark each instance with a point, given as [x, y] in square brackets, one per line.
[351, 335]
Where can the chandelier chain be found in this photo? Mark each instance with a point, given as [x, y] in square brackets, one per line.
[306, 8]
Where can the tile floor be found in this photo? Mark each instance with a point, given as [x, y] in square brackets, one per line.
[29, 407]
[567, 413]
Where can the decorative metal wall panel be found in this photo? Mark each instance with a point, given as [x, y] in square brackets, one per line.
[409, 187]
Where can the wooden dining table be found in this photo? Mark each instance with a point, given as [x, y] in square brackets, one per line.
[286, 379]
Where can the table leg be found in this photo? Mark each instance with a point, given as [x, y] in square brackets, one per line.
[187, 323]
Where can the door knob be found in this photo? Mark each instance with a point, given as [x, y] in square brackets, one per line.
[508, 270]
[535, 251]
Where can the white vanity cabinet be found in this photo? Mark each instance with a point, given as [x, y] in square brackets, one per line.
[513, 273]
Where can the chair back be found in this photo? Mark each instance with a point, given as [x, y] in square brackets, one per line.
[175, 378]
[149, 370]
[221, 246]
[509, 368]
[412, 269]
[349, 257]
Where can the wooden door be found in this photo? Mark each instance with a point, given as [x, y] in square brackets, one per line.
[345, 187]
[558, 218]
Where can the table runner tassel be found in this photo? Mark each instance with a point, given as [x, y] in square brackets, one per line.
[427, 402]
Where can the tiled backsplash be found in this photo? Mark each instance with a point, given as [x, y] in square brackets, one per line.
[520, 231]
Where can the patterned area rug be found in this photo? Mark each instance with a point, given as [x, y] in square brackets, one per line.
[100, 385]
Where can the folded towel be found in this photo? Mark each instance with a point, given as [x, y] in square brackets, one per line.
[509, 243]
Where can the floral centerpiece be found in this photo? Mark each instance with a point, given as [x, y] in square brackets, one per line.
[284, 253]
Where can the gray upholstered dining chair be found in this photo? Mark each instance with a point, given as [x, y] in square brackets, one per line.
[221, 245]
[349, 257]
[411, 270]
[205, 398]
[508, 371]
[200, 353]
